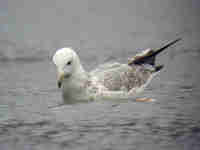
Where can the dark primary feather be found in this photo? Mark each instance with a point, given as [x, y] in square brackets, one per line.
[149, 56]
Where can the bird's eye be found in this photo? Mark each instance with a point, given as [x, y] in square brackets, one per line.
[69, 62]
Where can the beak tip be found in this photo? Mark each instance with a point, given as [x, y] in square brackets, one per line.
[59, 84]
[60, 79]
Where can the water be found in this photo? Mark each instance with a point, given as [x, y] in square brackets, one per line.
[32, 116]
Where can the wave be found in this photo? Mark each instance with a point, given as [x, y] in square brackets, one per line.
[10, 51]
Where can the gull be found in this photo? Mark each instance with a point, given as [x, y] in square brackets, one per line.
[107, 81]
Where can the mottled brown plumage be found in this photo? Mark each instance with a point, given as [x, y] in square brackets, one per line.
[111, 80]
[133, 75]
[123, 77]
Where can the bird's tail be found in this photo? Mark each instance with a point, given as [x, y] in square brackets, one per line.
[148, 56]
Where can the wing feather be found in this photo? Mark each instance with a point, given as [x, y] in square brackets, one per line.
[121, 77]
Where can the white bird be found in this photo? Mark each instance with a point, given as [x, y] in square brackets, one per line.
[108, 81]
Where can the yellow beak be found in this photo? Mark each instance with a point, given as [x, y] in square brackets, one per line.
[60, 79]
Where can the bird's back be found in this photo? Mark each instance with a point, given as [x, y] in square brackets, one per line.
[116, 77]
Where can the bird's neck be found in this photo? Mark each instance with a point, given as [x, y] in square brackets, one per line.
[74, 86]
[80, 73]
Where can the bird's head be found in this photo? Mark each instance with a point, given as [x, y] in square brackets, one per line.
[67, 63]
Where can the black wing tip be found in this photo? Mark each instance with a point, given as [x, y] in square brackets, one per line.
[175, 41]
[167, 46]
[153, 53]
[178, 39]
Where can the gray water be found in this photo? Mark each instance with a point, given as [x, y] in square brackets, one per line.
[32, 115]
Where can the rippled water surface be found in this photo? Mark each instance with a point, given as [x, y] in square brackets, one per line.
[32, 115]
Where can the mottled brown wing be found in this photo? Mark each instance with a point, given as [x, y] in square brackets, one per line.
[123, 77]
